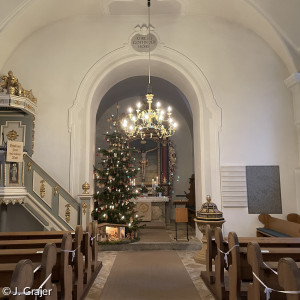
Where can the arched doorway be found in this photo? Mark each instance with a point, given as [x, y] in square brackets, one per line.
[126, 94]
[167, 64]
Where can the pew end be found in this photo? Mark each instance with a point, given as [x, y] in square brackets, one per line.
[289, 277]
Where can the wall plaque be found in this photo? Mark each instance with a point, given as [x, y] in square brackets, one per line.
[14, 151]
[263, 190]
[140, 43]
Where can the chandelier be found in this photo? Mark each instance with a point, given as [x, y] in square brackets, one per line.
[148, 122]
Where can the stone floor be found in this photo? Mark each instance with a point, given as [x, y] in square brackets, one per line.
[186, 256]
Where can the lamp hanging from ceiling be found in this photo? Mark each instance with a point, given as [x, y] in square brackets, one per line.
[148, 123]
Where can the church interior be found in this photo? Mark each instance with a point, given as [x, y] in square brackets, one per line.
[149, 149]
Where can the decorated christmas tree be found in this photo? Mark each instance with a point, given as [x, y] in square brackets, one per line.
[115, 181]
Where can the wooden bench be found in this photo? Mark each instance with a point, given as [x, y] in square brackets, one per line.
[261, 269]
[42, 275]
[22, 277]
[293, 218]
[62, 272]
[234, 283]
[85, 266]
[277, 227]
[240, 272]
[289, 277]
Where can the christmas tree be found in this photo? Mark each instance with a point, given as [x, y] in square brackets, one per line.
[115, 181]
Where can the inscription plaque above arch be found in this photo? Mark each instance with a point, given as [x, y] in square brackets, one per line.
[140, 43]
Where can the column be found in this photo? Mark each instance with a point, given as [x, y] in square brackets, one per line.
[86, 206]
[293, 83]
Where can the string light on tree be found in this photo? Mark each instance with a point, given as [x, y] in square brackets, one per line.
[113, 178]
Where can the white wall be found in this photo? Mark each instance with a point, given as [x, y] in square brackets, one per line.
[19, 219]
[245, 75]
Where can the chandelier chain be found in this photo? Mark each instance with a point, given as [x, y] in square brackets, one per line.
[149, 64]
[149, 122]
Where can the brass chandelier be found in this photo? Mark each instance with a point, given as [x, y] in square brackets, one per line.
[148, 123]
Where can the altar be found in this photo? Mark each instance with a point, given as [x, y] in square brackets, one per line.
[153, 210]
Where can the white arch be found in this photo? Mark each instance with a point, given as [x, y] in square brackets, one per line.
[169, 65]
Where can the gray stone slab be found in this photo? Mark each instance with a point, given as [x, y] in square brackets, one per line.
[263, 189]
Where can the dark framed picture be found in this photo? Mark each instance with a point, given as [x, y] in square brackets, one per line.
[13, 177]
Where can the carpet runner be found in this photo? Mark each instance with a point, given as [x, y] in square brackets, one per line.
[149, 275]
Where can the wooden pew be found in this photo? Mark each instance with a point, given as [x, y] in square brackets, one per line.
[22, 277]
[293, 218]
[48, 261]
[277, 227]
[243, 242]
[29, 235]
[289, 277]
[64, 271]
[221, 283]
[86, 264]
[256, 261]
[240, 272]
[96, 265]
[208, 276]
[87, 254]
[78, 264]
[38, 237]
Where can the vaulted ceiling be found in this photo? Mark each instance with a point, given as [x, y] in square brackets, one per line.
[276, 21]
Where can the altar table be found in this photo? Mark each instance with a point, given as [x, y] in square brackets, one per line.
[154, 210]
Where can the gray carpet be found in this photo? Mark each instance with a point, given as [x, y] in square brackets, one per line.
[154, 235]
[149, 275]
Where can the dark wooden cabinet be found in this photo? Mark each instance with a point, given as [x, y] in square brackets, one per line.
[191, 201]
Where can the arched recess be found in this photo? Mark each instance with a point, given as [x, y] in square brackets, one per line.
[167, 64]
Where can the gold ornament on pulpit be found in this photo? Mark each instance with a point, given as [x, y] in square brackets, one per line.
[42, 188]
[85, 188]
[68, 213]
[12, 86]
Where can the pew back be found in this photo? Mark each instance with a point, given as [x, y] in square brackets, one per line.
[277, 227]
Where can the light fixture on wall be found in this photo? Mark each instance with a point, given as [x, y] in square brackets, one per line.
[149, 122]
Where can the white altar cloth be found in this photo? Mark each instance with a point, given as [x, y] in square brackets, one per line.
[152, 209]
[151, 199]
